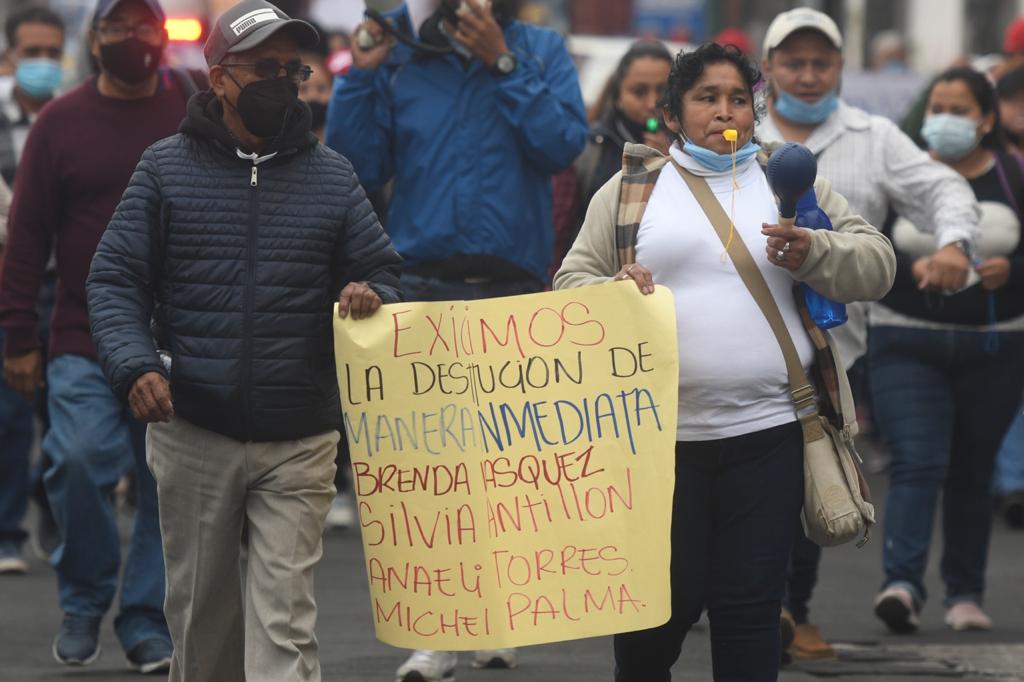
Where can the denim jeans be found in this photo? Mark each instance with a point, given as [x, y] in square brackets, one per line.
[1010, 460]
[91, 442]
[942, 404]
[16, 433]
[804, 562]
[734, 517]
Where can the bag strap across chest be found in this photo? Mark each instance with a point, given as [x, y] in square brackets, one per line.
[801, 389]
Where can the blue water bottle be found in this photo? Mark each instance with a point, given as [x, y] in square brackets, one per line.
[825, 313]
[791, 172]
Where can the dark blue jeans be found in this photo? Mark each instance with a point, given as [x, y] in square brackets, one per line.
[734, 517]
[803, 576]
[91, 441]
[942, 404]
[1010, 460]
[16, 433]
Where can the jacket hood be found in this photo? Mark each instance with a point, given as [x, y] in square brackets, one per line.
[205, 118]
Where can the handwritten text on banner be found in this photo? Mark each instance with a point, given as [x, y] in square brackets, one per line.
[514, 464]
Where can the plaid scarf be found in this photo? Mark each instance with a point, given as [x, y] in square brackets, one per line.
[641, 167]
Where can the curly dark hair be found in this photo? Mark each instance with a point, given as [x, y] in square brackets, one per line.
[689, 66]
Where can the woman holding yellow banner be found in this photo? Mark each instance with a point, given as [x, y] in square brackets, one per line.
[739, 450]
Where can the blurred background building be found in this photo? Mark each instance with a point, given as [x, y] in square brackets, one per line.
[918, 37]
[937, 31]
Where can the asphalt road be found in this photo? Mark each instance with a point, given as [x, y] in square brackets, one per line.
[29, 617]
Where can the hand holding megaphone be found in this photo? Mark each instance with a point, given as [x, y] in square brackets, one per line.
[371, 45]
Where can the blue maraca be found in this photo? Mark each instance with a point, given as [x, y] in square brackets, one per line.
[791, 172]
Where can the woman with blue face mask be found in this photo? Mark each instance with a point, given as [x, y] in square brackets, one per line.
[947, 368]
[738, 460]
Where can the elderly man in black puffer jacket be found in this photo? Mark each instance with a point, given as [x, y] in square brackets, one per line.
[236, 236]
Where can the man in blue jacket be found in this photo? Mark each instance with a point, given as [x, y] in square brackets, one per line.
[235, 237]
[472, 138]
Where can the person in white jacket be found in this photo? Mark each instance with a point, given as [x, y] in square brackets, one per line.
[875, 166]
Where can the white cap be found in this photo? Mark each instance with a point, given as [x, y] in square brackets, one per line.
[801, 18]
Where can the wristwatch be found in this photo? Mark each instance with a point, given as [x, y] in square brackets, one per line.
[966, 247]
[505, 64]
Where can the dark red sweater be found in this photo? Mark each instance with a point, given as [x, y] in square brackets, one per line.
[77, 161]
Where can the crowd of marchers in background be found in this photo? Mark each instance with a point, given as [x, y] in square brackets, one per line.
[172, 241]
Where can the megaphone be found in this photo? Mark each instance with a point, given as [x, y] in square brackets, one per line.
[393, 16]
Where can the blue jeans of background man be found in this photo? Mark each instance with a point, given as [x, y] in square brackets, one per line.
[91, 441]
[734, 517]
[1010, 460]
[16, 432]
[942, 404]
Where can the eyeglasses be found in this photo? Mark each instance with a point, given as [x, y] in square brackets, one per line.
[151, 33]
[268, 69]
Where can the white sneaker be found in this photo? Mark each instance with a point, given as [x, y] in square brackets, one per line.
[428, 666]
[967, 615]
[495, 658]
[10, 560]
[343, 512]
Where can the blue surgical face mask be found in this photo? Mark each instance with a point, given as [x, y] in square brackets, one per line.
[714, 161]
[39, 78]
[798, 111]
[951, 137]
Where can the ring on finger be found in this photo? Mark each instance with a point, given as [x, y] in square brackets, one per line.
[780, 255]
[787, 247]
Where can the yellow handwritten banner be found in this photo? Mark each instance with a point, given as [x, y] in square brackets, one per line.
[514, 463]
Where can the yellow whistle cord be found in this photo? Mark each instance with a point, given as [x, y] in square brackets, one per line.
[735, 186]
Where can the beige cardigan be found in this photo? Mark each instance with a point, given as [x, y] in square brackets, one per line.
[852, 262]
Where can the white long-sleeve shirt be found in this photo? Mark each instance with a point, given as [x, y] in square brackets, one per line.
[732, 374]
[874, 164]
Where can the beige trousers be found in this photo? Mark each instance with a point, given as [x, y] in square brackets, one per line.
[208, 485]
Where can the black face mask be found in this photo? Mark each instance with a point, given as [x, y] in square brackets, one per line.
[131, 60]
[319, 111]
[265, 105]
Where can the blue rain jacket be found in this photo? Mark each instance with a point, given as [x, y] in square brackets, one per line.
[472, 153]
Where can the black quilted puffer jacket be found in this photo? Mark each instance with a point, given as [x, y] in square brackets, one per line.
[242, 264]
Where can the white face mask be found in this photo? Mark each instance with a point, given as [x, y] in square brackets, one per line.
[950, 136]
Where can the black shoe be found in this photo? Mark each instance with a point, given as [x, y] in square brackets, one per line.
[151, 656]
[78, 642]
[1013, 509]
[895, 607]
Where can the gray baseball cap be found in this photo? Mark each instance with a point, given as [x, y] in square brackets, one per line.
[104, 8]
[248, 24]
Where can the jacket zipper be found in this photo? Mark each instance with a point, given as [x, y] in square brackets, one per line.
[250, 296]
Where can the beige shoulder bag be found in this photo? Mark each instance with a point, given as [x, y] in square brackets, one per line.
[836, 507]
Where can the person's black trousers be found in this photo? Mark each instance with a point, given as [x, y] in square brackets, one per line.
[735, 510]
